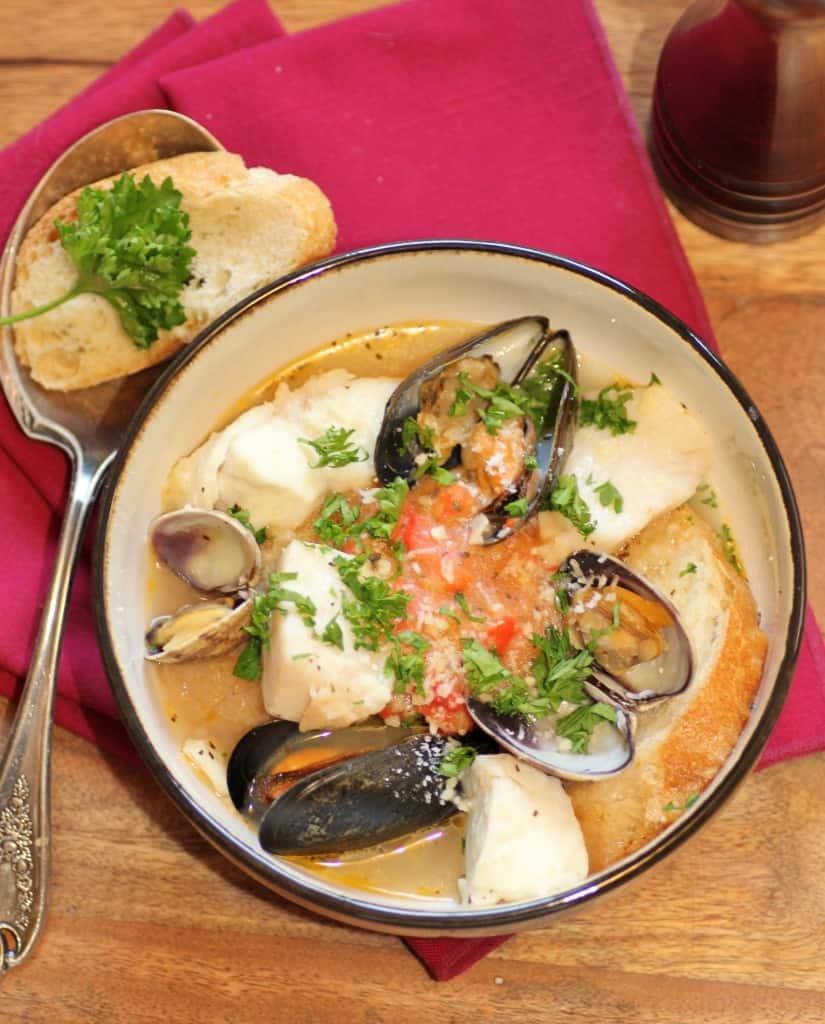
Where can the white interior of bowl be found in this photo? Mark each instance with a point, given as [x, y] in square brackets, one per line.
[431, 285]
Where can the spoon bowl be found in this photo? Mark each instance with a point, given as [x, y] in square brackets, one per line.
[89, 425]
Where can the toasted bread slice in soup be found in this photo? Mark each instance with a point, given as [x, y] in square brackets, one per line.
[249, 226]
[682, 743]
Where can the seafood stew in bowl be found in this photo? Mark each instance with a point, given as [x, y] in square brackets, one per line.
[467, 585]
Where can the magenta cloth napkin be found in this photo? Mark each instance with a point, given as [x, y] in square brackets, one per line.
[433, 118]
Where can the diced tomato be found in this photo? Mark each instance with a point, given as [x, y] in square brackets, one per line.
[448, 713]
[413, 528]
[453, 502]
[501, 634]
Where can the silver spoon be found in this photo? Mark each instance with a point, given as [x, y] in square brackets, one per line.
[89, 426]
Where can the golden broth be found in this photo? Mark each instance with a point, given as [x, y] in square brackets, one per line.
[204, 700]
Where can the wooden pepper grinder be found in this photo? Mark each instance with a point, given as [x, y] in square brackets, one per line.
[738, 126]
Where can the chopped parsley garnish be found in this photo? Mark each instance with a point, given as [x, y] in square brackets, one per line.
[461, 601]
[463, 396]
[608, 413]
[534, 397]
[689, 802]
[608, 495]
[129, 246]
[428, 459]
[709, 496]
[483, 669]
[578, 726]
[653, 380]
[242, 515]
[530, 463]
[442, 476]
[374, 608]
[339, 523]
[518, 508]
[456, 761]
[335, 449]
[730, 549]
[413, 432]
[336, 520]
[560, 670]
[566, 499]
[333, 635]
[690, 568]
[406, 660]
[248, 665]
[389, 499]
[448, 612]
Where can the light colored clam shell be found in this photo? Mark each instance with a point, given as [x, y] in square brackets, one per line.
[202, 630]
[210, 550]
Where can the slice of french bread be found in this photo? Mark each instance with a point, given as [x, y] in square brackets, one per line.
[682, 743]
[249, 226]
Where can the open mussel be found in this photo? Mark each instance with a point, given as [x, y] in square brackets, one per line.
[641, 656]
[641, 651]
[210, 550]
[330, 792]
[498, 408]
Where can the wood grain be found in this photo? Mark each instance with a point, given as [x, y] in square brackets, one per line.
[149, 924]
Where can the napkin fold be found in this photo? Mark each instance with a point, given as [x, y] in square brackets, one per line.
[433, 118]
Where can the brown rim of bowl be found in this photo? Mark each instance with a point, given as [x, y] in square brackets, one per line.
[412, 920]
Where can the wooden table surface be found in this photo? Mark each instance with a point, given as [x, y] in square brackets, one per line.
[147, 923]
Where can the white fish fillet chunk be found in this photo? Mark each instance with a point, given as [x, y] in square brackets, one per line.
[259, 462]
[523, 840]
[654, 468]
[306, 680]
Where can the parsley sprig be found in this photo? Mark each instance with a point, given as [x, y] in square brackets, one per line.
[374, 608]
[606, 412]
[248, 665]
[405, 662]
[456, 761]
[578, 726]
[560, 671]
[129, 245]
[566, 499]
[340, 521]
[335, 449]
[609, 495]
[534, 397]
[243, 517]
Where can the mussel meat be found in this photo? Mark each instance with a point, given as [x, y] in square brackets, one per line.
[452, 403]
[642, 653]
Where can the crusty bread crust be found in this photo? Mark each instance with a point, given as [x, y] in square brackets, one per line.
[249, 226]
[681, 744]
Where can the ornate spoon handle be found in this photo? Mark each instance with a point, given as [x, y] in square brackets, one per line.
[24, 769]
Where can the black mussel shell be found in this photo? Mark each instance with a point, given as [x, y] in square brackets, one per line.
[532, 740]
[646, 683]
[252, 773]
[363, 801]
[390, 460]
[552, 443]
[252, 756]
